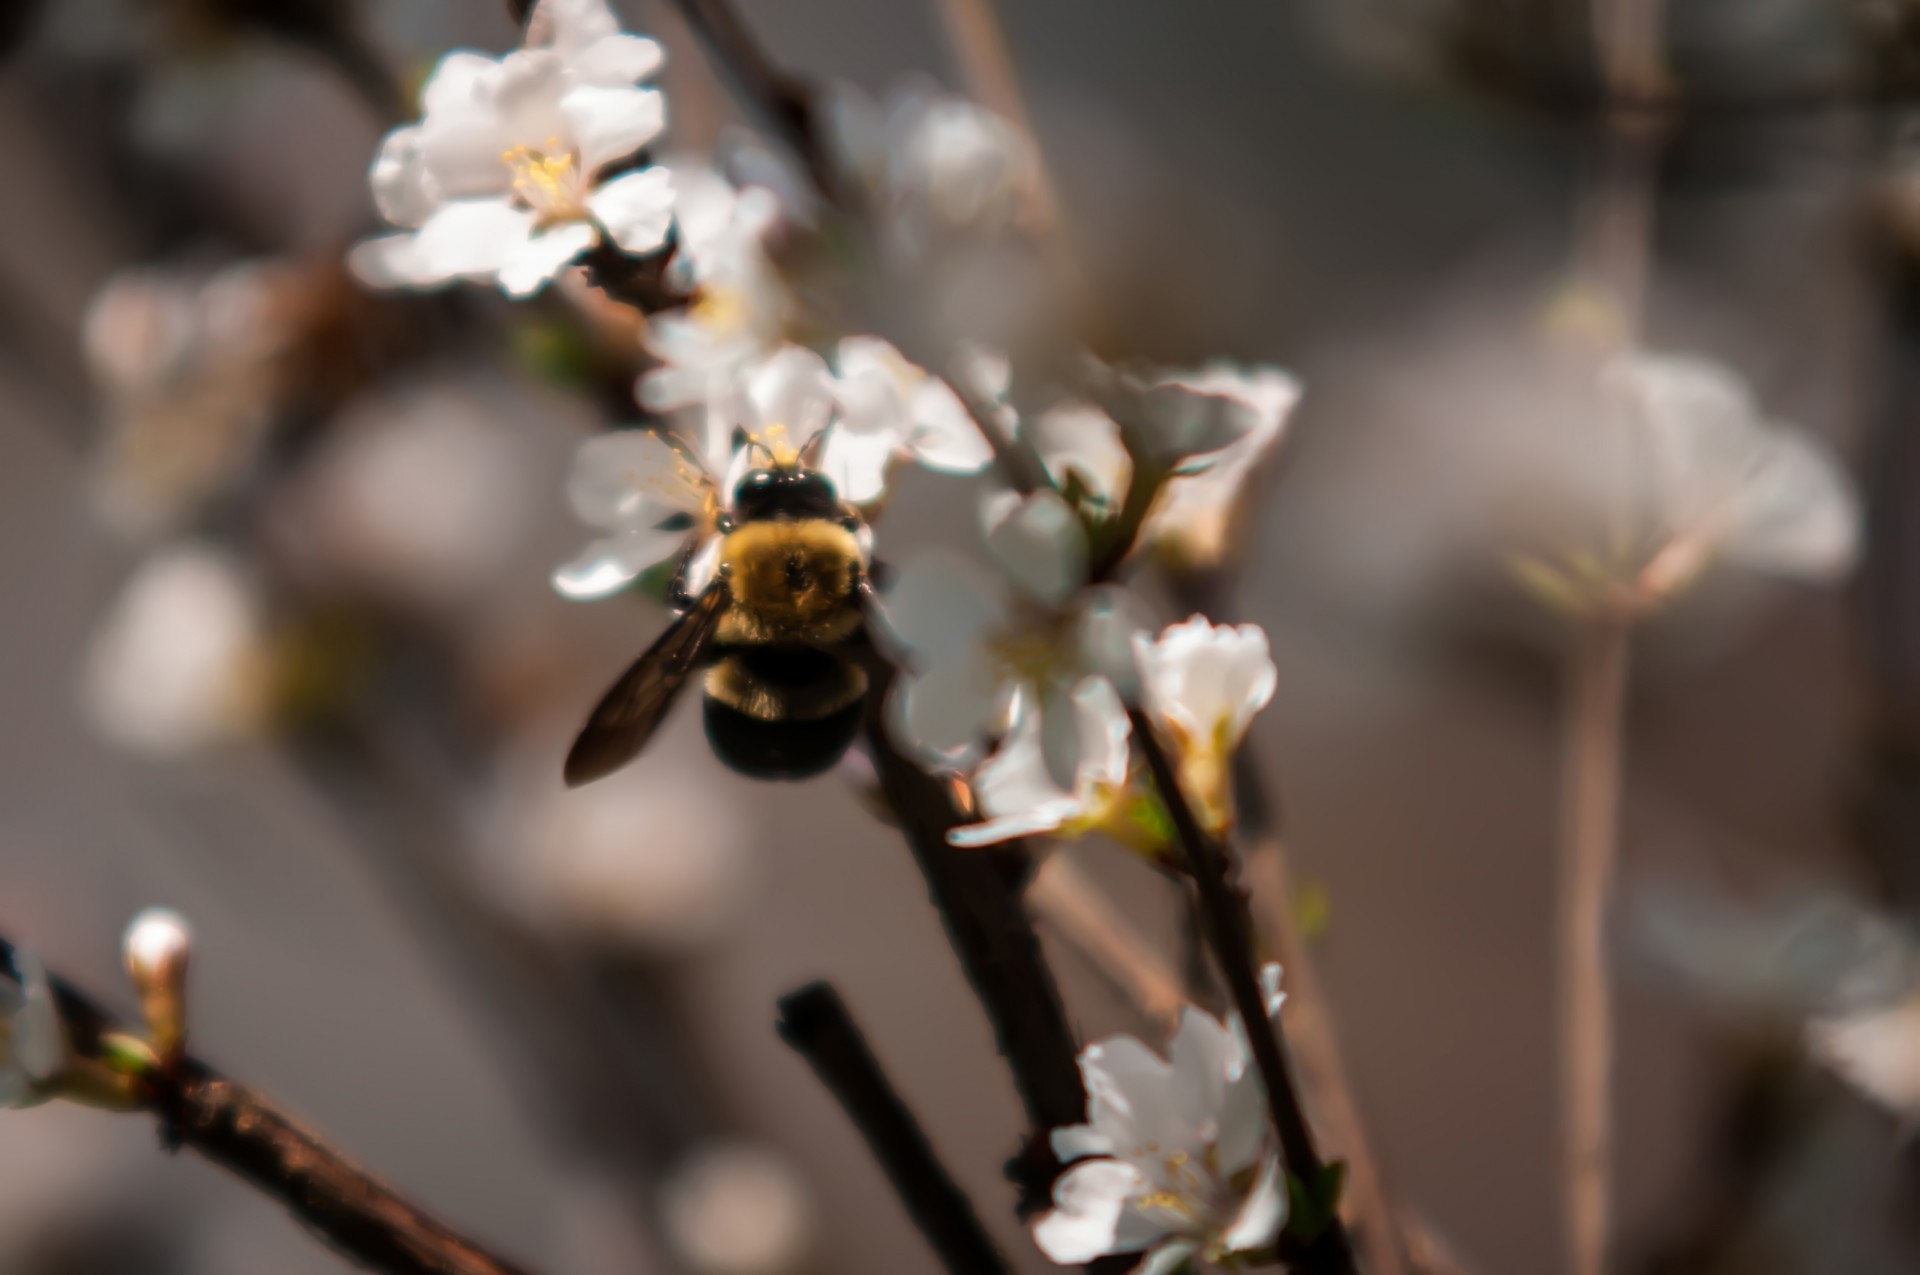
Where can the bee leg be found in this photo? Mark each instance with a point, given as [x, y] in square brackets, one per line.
[677, 596]
[880, 574]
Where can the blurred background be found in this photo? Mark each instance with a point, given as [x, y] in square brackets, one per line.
[230, 482]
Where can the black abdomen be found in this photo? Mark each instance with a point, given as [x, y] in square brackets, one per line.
[783, 712]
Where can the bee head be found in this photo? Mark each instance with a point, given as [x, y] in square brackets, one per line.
[785, 492]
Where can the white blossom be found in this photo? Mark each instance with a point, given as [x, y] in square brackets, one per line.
[740, 309]
[1019, 797]
[181, 660]
[1176, 1159]
[1202, 683]
[738, 1209]
[972, 642]
[890, 408]
[568, 859]
[509, 175]
[650, 492]
[931, 160]
[33, 1046]
[1718, 479]
[1192, 519]
[191, 371]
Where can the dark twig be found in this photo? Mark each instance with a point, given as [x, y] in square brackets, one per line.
[783, 102]
[1230, 929]
[977, 893]
[231, 1125]
[816, 1023]
[640, 282]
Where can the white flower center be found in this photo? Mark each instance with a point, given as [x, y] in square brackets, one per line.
[548, 181]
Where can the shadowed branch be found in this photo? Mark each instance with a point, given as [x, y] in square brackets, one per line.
[361, 1217]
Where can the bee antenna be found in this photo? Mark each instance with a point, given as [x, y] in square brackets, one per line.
[810, 454]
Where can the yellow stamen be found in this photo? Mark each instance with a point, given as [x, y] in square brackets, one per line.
[548, 181]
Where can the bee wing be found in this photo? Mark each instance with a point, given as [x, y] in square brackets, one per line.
[626, 716]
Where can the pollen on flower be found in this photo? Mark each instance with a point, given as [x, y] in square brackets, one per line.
[720, 309]
[548, 181]
[777, 443]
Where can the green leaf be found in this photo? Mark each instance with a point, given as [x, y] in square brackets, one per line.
[1315, 1204]
[128, 1055]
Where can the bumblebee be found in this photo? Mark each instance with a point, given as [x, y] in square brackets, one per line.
[774, 631]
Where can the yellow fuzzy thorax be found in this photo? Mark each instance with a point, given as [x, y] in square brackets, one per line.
[791, 581]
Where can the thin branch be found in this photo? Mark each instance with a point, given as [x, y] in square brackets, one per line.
[816, 1023]
[1588, 836]
[1310, 1025]
[1230, 929]
[977, 893]
[783, 103]
[362, 1218]
[1062, 895]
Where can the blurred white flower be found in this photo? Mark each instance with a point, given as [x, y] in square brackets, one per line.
[1193, 517]
[931, 160]
[181, 660]
[735, 1209]
[1687, 472]
[422, 492]
[507, 174]
[605, 866]
[1176, 1158]
[1202, 683]
[740, 309]
[33, 1044]
[1018, 796]
[967, 166]
[890, 407]
[191, 371]
[652, 492]
[1721, 480]
[1876, 1050]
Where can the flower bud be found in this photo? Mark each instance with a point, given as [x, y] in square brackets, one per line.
[157, 946]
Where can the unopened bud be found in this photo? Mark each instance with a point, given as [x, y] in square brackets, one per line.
[157, 947]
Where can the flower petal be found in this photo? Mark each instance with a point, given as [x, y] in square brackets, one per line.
[791, 394]
[634, 477]
[636, 208]
[471, 238]
[1799, 515]
[1264, 1214]
[1104, 731]
[609, 565]
[530, 265]
[617, 59]
[1089, 1202]
[1038, 541]
[1079, 441]
[1167, 1258]
[944, 713]
[944, 437]
[940, 606]
[1013, 787]
[1201, 1053]
[1077, 1142]
[1036, 821]
[610, 123]
[399, 179]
